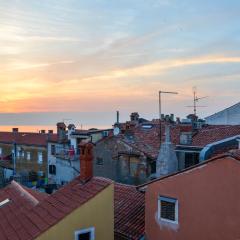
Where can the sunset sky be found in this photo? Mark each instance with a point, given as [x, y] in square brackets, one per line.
[102, 56]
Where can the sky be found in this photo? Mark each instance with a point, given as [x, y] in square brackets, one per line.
[95, 57]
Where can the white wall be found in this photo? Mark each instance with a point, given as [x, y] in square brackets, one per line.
[229, 116]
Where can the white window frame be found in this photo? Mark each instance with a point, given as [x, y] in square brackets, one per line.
[168, 199]
[28, 155]
[40, 160]
[91, 230]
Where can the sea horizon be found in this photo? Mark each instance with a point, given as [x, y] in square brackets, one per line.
[38, 128]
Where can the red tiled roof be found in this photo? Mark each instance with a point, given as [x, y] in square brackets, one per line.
[129, 212]
[21, 201]
[27, 138]
[213, 133]
[29, 213]
[147, 140]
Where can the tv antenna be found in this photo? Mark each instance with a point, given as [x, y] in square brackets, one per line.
[66, 119]
[195, 101]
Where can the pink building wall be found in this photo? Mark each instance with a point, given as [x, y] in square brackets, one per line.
[208, 203]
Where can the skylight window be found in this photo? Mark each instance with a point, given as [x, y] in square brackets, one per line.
[4, 202]
[147, 126]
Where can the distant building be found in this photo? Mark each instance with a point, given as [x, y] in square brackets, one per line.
[64, 153]
[198, 203]
[228, 116]
[30, 153]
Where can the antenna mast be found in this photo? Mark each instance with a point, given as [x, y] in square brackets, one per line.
[195, 100]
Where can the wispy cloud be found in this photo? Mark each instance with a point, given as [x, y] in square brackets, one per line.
[27, 66]
[160, 67]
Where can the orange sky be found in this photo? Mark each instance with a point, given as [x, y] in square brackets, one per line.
[103, 57]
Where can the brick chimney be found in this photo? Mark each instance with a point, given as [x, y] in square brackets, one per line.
[61, 132]
[15, 130]
[86, 161]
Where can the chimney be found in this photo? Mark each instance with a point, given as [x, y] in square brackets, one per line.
[117, 117]
[134, 117]
[61, 131]
[15, 130]
[167, 160]
[86, 161]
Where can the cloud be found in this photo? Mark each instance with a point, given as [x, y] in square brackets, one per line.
[160, 67]
[27, 66]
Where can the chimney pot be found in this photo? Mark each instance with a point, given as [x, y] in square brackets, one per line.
[15, 130]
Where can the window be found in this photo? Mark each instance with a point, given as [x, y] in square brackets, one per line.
[168, 209]
[4, 202]
[99, 161]
[186, 138]
[191, 158]
[40, 158]
[0, 151]
[28, 156]
[53, 149]
[18, 152]
[52, 169]
[85, 234]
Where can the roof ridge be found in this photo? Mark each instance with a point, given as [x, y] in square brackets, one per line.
[24, 192]
[218, 157]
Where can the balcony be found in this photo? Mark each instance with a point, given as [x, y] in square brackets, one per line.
[66, 154]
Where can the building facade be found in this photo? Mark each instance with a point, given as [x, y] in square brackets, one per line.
[197, 203]
[26, 154]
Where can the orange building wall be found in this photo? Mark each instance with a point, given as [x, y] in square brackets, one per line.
[208, 202]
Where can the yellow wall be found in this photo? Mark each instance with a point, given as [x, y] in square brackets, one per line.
[98, 212]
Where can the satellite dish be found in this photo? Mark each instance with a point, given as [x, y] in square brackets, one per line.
[116, 131]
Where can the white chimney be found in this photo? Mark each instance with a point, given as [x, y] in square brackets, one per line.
[167, 160]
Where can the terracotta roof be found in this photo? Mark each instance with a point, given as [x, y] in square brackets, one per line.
[30, 213]
[12, 214]
[27, 138]
[213, 133]
[147, 140]
[129, 212]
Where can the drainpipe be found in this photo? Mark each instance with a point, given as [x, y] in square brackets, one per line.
[14, 158]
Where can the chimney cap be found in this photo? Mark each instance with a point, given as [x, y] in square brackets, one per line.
[61, 124]
[15, 129]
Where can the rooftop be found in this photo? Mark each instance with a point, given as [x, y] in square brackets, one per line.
[129, 212]
[232, 154]
[213, 133]
[27, 138]
[28, 214]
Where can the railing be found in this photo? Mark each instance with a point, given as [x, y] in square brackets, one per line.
[66, 154]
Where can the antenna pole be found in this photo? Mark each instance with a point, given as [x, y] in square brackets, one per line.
[194, 103]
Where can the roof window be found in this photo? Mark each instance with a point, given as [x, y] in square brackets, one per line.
[4, 202]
